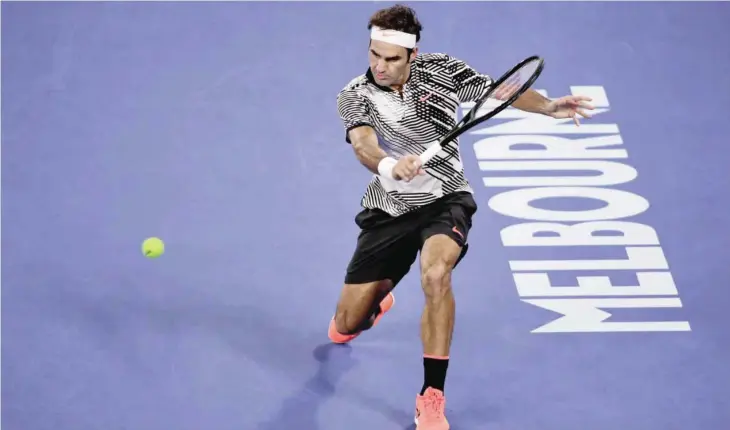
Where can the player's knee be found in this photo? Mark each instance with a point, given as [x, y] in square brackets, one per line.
[345, 324]
[436, 280]
[358, 305]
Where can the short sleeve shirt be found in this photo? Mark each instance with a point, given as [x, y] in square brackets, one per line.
[411, 121]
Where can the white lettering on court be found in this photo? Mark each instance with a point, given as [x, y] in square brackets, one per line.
[532, 161]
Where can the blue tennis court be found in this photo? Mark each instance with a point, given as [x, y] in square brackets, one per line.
[597, 287]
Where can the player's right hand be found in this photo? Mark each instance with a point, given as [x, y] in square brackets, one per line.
[408, 168]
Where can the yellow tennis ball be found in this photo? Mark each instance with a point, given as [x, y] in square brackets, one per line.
[153, 247]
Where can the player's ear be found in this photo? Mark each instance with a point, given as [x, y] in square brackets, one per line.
[414, 52]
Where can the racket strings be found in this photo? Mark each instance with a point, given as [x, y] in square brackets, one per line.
[504, 92]
[508, 88]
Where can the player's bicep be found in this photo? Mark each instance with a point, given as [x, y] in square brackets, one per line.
[366, 147]
[362, 137]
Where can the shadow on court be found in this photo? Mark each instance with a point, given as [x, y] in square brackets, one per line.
[302, 408]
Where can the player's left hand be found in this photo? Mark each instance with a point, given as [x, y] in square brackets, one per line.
[569, 107]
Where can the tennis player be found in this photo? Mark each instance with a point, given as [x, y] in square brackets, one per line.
[392, 113]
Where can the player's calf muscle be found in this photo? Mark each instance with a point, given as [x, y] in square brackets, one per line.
[438, 260]
[437, 321]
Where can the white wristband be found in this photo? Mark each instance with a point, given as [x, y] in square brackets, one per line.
[385, 167]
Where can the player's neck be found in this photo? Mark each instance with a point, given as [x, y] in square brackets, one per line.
[399, 86]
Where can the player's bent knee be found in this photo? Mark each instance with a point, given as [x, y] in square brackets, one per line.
[356, 305]
[349, 320]
[344, 324]
[436, 280]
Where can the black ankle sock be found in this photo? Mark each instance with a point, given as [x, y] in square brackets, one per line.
[434, 373]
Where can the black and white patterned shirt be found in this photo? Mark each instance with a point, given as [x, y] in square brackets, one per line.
[410, 123]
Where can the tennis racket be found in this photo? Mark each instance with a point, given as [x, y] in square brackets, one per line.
[502, 93]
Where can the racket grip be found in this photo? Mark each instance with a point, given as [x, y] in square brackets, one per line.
[428, 154]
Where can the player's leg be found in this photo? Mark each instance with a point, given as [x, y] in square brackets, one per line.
[359, 308]
[439, 256]
[444, 245]
[386, 249]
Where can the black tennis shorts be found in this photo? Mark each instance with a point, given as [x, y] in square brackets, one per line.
[387, 246]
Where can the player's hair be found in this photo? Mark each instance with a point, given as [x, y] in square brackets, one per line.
[398, 17]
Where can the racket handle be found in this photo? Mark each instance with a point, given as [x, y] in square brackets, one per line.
[428, 154]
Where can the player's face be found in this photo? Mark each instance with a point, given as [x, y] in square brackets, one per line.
[388, 63]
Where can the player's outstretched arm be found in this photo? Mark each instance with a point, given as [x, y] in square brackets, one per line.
[470, 84]
[564, 107]
[532, 101]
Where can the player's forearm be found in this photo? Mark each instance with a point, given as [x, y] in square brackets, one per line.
[370, 156]
[367, 150]
[532, 101]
